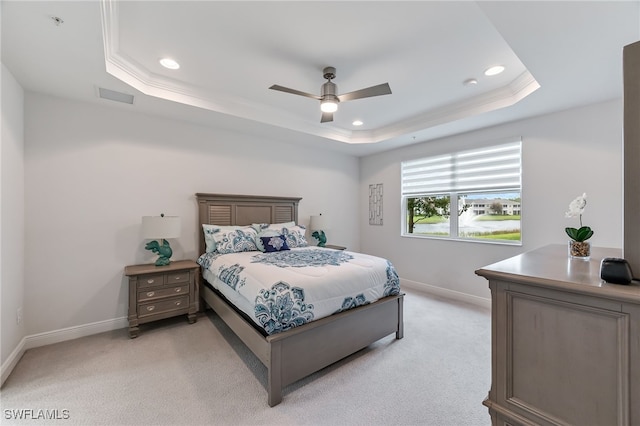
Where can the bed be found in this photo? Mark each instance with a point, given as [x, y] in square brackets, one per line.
[296, 352]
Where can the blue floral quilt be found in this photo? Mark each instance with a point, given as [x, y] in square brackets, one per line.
[285, 289]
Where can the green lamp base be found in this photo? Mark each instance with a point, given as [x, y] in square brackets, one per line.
[319, 235]
[163, 261]
[164, 251]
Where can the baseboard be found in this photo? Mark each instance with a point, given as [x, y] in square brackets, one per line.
[11, 362]
[70, 333]
[445, 292]
[57, 336]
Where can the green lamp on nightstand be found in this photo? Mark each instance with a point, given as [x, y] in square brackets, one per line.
[159, 229]
[318, 224]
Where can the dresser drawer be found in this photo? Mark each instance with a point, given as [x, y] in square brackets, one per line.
[177, 277]
[161, 306]
[151, 280]
[162, 293]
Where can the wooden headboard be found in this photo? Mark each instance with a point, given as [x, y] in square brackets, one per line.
[225, 210]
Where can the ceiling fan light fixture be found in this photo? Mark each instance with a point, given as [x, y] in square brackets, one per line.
[328, 105]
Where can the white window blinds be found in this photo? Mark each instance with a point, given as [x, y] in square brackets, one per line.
[492, 168]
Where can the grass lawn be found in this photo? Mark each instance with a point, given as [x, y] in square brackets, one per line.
[512, 236]
[497, 217]
[429, 220]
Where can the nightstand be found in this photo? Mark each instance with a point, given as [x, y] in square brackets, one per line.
[158, 292]
[331, 246]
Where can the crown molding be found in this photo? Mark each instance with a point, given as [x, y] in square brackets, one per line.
[137, 76]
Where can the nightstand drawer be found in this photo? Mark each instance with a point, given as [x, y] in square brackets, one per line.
[162, 293]
[162, 306]
[177, 277]
[151, 280]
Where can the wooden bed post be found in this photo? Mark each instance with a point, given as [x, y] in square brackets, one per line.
[400, 332]
[274, 383]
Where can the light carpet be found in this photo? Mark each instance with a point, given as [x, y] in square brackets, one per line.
[177, 373]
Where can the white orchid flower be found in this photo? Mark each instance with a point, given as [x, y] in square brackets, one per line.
[576, 208]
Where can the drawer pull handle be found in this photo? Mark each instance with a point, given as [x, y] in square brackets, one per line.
[178, 290]
[177, 278]
[151, 293]
[150, 308]
[150, 281]
[177, 303]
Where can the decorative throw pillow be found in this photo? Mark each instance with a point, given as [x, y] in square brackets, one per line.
[274, 243]
[209, 230]
[235, 241]
[265, 233]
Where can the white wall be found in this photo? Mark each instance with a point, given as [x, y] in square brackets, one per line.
[93, 171]
[564, 155]
[11, 215]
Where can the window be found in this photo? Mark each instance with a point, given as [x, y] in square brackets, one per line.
[472, 195]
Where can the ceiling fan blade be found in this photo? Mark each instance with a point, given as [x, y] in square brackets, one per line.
[294, 91]
[326, 117]
[380, 89]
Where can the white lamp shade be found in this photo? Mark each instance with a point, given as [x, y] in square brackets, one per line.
[158, 227]
[319, 223]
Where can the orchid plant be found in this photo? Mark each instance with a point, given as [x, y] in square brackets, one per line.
[576, 208]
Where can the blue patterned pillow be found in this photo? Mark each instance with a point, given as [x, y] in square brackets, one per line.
[274, 243]
[209, 230]
[235, 241]
[295, 236]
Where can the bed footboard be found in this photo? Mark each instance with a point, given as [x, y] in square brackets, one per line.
[305, 350]
[294, 354]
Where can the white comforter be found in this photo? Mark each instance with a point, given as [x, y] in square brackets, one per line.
[285, 289]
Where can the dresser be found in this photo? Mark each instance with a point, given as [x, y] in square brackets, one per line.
[158, 292]
[565, 345]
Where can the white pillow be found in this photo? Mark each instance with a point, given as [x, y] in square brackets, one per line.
[274, 226]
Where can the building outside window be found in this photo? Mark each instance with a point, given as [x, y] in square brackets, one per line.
[470, 195]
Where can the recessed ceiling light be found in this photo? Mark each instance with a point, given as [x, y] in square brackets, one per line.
[357, 123]
[495, 70]
[470, 82]
[169, 63]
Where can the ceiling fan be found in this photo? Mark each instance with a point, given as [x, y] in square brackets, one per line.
[328, 98]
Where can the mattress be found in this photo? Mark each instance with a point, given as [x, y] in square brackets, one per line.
[285, 289]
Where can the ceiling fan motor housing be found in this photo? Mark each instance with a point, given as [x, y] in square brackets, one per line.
[328, 91]
[329, 73]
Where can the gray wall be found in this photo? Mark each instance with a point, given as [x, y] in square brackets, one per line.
[564, 155]
[11, 214]
[92, 172]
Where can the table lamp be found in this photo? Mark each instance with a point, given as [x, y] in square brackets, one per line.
[318, 224]
[159, 228]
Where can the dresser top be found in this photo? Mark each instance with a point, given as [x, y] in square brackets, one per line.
[151, 268]
[551, 267]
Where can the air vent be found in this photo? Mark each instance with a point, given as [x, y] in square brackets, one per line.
[112, 95]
